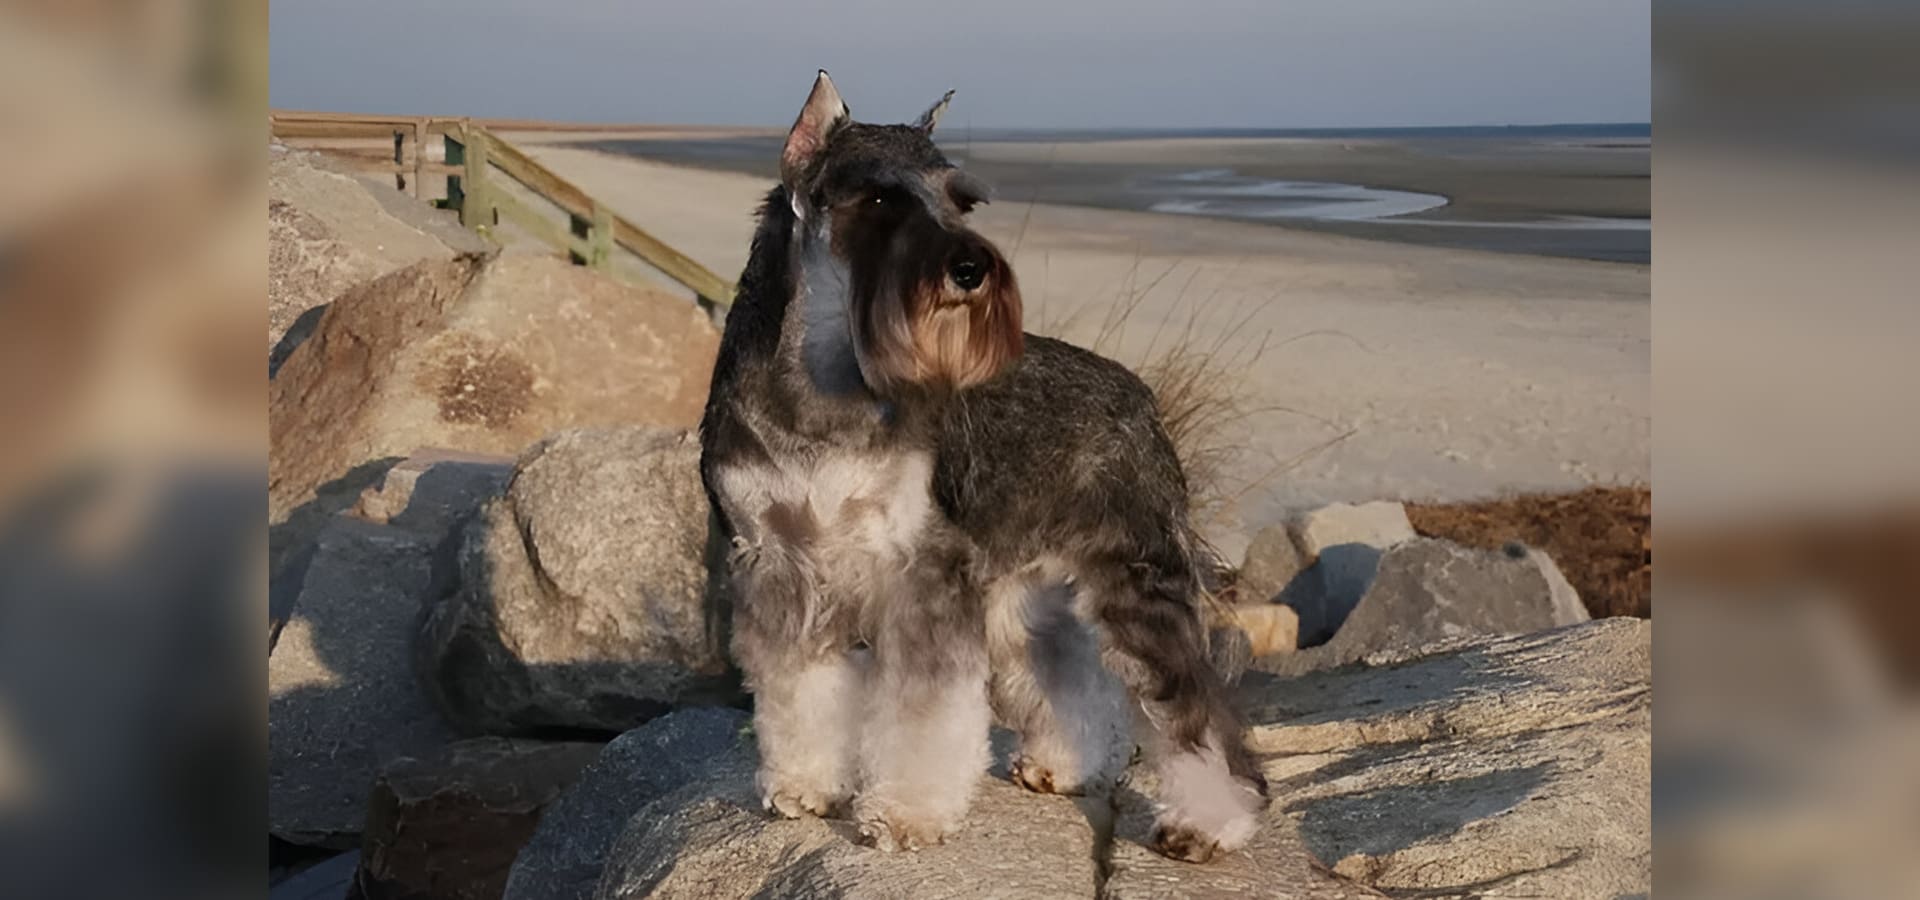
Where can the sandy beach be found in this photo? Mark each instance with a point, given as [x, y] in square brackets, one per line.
[1382, 370]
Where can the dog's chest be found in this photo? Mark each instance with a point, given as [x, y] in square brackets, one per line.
[837, 510]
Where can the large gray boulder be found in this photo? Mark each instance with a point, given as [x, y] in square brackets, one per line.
[1428, 590]
[483, 354]
[582, 600]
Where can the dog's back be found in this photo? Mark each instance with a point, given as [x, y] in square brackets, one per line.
[1063, 454]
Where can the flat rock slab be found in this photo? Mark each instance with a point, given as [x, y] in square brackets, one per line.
[712, 840]
[342, 700]
[1515, 766]
[1277, 864]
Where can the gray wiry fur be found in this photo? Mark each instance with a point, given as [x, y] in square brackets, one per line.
[931, 512]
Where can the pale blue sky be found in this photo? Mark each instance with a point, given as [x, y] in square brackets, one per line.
[1015, 63]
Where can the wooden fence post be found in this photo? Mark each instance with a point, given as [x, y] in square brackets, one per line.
[602, 239]
[476, 207]
[420, 159]
[399, 159]
[456, 185]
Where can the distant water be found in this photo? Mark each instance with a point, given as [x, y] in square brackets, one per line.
[1226, 193]
[1223, 192]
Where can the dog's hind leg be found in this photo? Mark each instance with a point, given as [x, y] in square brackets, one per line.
[924, 745]
[1210, 792]
[806, 684]
[1049, 686]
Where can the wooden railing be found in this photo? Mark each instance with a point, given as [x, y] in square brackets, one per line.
[474, 159]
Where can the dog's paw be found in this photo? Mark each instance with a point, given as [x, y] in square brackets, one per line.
[1040, 779]
[792, 801]
[895, 834]
[1184, 843]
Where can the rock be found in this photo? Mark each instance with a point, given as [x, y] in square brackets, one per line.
[330, 879]
[1430, 590]
[448, 827]
[1276, 863]
[1568, 608]
[433, 489]
[478, 354]
[1497, 766]
[1380, 524]
[570, 846]
[1270, 627]
[711, 839]
[1272, 562]
[329, 230]
[342, 700]
[1343, 544]
[582, 600]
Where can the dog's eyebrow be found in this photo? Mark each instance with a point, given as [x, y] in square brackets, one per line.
[966, 189]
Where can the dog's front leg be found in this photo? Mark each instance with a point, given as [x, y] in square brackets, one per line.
[805, 681]
[924, 746]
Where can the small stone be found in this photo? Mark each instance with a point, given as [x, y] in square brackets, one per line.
[1273, 561]
[449, 485]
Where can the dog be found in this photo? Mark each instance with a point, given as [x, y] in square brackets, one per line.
[933, 519]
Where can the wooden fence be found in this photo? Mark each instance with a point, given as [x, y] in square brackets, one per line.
[475, 158]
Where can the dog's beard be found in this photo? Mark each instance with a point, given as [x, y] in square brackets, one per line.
[914, 330]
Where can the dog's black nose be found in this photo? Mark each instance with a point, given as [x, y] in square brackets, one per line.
[967, 271]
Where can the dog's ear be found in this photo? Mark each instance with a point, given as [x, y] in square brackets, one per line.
[823, 111]
[931, 118]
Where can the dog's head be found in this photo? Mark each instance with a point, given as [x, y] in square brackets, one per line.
[882, 244]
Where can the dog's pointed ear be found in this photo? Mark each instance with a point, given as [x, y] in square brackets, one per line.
[823, 111]
[931, 118]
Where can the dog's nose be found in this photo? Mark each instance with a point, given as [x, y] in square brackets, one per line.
[967, 270]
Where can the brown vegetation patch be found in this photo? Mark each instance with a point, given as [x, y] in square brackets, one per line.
[482, 385]
[1600, 537]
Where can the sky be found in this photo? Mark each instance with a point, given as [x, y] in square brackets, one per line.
[1014, 63]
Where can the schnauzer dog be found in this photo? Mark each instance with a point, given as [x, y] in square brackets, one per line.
[934, 518]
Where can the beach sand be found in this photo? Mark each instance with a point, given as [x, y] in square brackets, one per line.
[1389, 370]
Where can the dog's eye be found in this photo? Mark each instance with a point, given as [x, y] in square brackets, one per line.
[886, 198]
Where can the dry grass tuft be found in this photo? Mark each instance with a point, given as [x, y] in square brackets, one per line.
[1205, 404]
